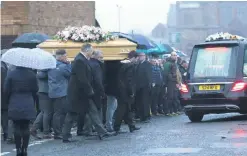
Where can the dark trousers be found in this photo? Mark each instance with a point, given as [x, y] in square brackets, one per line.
[123, 112]
[104, 108]
[94, 116]
[161, 99]
[81, 122]
[21, 134]
[4, 122]
[38, 123]
[155, 92]
[54, 111]
[172, 98]
[68, 123]
[143, 101]
[166, 109]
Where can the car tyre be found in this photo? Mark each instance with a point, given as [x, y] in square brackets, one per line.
[195, 117]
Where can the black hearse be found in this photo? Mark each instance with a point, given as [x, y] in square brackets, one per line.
[216, 79]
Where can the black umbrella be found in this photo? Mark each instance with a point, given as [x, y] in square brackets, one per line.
[30, 40]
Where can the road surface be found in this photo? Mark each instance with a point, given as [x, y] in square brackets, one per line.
[217, 135]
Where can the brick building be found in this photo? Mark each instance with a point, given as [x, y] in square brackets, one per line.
[47, 17]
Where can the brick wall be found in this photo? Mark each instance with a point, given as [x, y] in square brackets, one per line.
[50, 16]
[44, 16]
[13, 14]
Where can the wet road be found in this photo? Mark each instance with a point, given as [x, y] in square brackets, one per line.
[217, 135]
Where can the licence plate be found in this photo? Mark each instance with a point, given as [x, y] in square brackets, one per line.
[209, 87]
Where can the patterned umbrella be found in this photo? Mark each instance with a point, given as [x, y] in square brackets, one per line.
[29, 58]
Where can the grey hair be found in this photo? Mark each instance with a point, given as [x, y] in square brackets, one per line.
[96, 53]
[86, 48]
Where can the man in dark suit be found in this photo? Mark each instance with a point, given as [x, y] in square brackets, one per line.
[80, 90]
[80, 95]
[96, 63]
[143, 86]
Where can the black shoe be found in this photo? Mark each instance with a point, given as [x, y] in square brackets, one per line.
[19, 152]
[5, 136]
[134, 128]
[161, 112]
[107, 135]
[24, 152]
[79, 134]
[119, 131]
[145, 121]
[69, 140]
[10, 141]
[58, 137]
[34, 134]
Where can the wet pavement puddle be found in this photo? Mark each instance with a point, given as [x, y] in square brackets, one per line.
[172, 150]
[229, 145]
[234, 134]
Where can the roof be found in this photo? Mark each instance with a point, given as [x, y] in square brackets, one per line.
[224, 42]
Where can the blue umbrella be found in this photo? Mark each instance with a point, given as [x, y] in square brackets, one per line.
[139, 39]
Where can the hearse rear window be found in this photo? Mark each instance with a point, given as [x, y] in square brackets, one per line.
[215, 62]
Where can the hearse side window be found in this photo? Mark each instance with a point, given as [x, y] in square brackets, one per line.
[245, 62]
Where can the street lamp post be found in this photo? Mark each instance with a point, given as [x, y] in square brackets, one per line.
[119, 20]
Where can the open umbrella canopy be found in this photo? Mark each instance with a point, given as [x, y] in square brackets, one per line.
[30, 40]
[29, 58]
[139, 39]
[158, 49]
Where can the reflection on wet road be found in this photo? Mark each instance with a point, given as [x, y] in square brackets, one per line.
[217, 135]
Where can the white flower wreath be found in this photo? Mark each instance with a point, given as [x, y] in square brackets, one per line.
[84, 34]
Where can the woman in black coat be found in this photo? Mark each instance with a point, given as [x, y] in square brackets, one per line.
[21, 88]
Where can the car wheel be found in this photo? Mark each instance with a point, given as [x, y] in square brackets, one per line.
[195, 117]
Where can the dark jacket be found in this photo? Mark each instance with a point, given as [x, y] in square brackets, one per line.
[111, 77]
[42, 77]
[182, 71]
[80, 88]
[144, 75]
[98, 86]
[97, 73]
[172, 72]
[126, 82]
[4, 71]
[21, 87]
[58, 79]
[156, 75]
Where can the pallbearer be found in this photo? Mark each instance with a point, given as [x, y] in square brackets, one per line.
[126, 87]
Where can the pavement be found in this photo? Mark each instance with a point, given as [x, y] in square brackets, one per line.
[217, 135]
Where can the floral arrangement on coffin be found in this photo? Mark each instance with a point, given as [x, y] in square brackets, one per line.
[84, 34]
[223, 36]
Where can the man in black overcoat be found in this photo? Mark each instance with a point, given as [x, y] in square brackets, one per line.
[126, 93]
[143, 87]
[80, 90]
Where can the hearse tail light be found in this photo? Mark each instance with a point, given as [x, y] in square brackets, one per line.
[184, 88]
[239, 86]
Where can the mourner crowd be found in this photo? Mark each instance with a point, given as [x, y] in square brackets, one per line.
[94, 96]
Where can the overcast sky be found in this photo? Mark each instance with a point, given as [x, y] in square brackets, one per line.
[140, 15]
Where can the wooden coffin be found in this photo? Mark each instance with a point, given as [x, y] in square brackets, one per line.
[112, 50]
